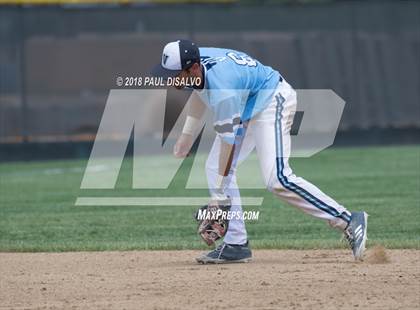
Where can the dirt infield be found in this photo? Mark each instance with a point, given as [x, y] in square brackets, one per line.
[171, 280]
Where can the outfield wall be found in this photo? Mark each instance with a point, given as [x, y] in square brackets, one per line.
[57, 64]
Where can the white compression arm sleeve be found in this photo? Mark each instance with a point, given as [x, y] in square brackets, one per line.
[191, 125]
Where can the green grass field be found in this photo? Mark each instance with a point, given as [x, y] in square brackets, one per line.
[37, 211]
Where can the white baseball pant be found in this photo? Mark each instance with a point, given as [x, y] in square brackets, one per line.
[269, 133]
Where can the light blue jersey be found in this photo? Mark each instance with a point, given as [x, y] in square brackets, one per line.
[236, 88]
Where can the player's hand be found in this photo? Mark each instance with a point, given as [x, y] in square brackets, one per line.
[218, 197]
[183, 145]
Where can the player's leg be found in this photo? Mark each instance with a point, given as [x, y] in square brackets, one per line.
[236, 233]
[272, 131]
[235, 247]
[272, 137]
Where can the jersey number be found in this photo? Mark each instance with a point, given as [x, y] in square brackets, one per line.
[242, 60]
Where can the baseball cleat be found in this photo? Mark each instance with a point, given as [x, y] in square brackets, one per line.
[227, 253]
[356, 234]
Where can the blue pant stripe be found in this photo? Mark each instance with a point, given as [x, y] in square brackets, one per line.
[290, 185]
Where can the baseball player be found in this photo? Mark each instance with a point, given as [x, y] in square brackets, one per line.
[253, 107]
